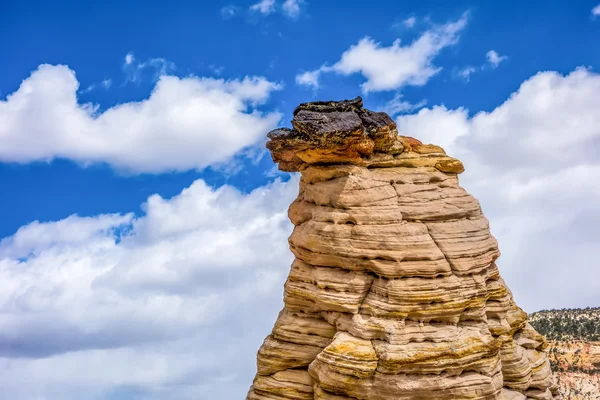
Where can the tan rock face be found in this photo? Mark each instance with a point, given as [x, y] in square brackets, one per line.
[394, 292]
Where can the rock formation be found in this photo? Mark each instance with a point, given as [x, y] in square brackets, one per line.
[394, 292]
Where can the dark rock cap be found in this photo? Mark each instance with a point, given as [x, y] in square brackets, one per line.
[329, 106]
[343, 132]
[332, 132]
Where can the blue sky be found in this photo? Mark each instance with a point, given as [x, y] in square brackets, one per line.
[144, 223]
[94, 39]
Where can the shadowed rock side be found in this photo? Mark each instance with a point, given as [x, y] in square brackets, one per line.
[394, 292]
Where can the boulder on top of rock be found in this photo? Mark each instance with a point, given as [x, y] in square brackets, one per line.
[342, 132]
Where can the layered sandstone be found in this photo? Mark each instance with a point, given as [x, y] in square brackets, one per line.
[394, 292]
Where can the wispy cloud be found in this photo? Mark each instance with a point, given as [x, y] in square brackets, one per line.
[157, 67]
[402, 25]
[264, 7]
[309, 78]
[409, 22]
[494, 58]
[291, 8]
[105, 84]
[400, 106]
[596, 11]
[229, 11]
[467, 72]
[389, 68]
[217, 70]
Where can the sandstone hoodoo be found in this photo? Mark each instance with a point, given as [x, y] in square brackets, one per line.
[394, 292]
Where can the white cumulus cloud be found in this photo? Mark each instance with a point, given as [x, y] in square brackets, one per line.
[185, 123]
[173, 303]
[388, 68]
[596, 11]
[533, 163]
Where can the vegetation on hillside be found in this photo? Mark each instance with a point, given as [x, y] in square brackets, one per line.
[568, 324]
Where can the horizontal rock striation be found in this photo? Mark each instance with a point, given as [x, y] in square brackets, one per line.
[394, 292]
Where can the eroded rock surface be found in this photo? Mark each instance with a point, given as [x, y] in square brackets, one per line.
[394, 292]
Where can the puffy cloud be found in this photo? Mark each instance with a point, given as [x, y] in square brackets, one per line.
[596, 11]
[494, 59]
[177, 301]
[533, 164]
[436, 125]
[36, 237]
[388, 68]
[398, 105]
[169, 304]
[186, 123]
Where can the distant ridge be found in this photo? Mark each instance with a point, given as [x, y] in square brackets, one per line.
[574, 351]
[568, 324]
